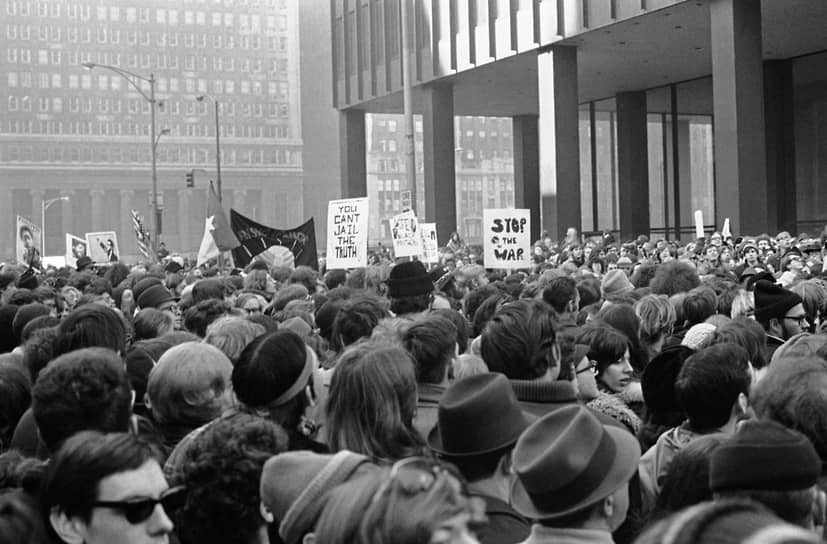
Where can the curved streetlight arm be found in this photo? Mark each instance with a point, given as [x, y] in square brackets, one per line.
[130, 77]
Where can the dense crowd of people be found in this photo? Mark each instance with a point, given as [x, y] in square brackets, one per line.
[645, 391]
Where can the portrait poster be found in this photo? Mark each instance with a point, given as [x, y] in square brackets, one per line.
[507, 238]
[407, 242]
[347, 233]
[75, 249]
[102, 247]
[28, 243]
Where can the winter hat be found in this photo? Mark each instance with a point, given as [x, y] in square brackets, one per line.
[173, 267]
[409, 279]
[25, 314]
[615, 282]
[658, 380]
[294, 483]
[697, 335]
[772, 300]
[764, 455]
[83, 263]
[143, 284]
[154, 296]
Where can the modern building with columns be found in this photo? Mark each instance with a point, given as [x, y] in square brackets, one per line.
[627, 115]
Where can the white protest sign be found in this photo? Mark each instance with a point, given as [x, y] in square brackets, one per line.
[699, 224]
[347, 233]
[407, 242]
[726, 232]
[507, 238]
[430, 246]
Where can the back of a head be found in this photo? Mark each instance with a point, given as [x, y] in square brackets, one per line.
[674, 277]
[559, 293]
[221, 472]
[432, 342]
[70, 482]
[24, 315]
[656, 315]
[152, 323]
[197, 318]
[732, 521]
[86, 389]
[269, 371]
[687, 479]
[208, 288]
[283, 296]
[356, 319]
[372, 402]
[460, 323]
[232, 334]
[710, 383]
[15, 398]
[20, 519]
[306, 276]
[188, 386]
[92, 325]
[746, 333]
[517, 340]
[793, 392]
[698, 305]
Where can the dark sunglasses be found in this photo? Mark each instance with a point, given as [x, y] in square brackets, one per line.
[140, 510]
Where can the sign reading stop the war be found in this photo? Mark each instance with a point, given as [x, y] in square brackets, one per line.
[507, 238]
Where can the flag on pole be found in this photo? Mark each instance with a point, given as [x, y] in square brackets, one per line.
[218, 236]
[142, 236]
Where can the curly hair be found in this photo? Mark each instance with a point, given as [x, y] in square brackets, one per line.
[221, 472]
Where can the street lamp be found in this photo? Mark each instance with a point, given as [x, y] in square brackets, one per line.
[133, 79]
[201, 98]
[44, 205]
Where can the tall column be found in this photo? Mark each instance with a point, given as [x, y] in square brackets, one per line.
[353, 154]
[7, 216]
[738, 107]
[97, 209]
[632, 164]
[559, 139]
[185, 220]
[527, 168]
[127, 240]
[780, 137]
[438, 159]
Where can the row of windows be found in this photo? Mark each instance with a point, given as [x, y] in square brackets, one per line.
[105, 128]
[102, 154]
[103, 35]
[46, 8]
[246, 22]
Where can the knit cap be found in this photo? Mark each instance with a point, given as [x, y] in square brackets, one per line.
[294, 483]
[615, 282]
[772, 300]
[659, 376]
[764, 455]
[697, 335]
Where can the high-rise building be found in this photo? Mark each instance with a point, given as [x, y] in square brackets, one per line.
[85, 134]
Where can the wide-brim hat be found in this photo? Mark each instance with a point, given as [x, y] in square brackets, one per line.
[567, 461]
[477, 415]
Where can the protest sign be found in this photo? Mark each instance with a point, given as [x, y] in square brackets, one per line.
[430, 246]
[256, 238]
[102, 246]
[75, 249]
[407, 242]
[699, 224]
[347, 233]
[28, 243]
[507, 238]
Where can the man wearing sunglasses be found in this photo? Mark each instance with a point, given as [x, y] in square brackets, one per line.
[107, 489]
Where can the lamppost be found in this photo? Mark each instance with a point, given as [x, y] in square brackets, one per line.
[133, 79]
[201, 98]
[44, 205]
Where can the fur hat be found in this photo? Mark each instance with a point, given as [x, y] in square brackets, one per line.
[408, 279]
[294, 483]
[772, 300]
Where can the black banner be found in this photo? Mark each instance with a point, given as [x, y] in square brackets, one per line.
[256, 238]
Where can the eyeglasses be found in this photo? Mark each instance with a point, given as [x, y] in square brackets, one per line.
[801, 319]
[592, 366]
[140, 510]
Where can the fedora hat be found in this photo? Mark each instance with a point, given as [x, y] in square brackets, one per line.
[567, 460]
[477, 415]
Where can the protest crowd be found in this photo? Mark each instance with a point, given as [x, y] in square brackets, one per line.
[616, 391]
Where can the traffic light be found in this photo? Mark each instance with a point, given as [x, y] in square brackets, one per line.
[191, 179]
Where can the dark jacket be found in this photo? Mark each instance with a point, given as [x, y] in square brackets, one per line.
[505, 525]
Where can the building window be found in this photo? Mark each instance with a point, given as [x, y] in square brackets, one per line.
[43, 80]
[57, 82]
[13, 79]
[12, 104]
